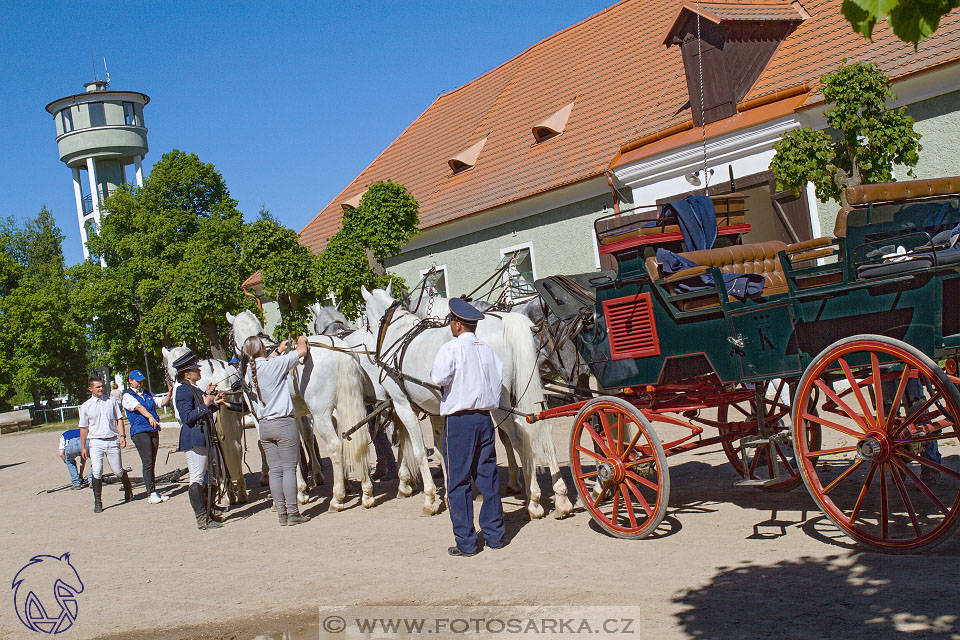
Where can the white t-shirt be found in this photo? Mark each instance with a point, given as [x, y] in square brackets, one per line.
[272, 379]
[99, 416]
[470, 374]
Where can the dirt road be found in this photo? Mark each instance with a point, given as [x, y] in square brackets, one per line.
[726, 562]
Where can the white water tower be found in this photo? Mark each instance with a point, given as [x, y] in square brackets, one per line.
[100, 133]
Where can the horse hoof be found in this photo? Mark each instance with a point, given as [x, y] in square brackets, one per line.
[429, 510]
[264, 482]
[336, 506]
[404, 491]
[535, 511]
[303, 498]
[368, 502]
[563, 508]
[511, 490]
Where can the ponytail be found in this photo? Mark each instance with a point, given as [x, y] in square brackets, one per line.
[252, 348]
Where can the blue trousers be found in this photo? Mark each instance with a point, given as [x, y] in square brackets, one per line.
[71, 451]
[470, 455]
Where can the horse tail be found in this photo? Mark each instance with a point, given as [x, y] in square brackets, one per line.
[350, 411]
[526, 387]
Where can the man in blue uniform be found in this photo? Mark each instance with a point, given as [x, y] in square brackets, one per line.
[469, 373]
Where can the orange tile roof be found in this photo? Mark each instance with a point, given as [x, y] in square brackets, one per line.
[749, 10]
[626, 85]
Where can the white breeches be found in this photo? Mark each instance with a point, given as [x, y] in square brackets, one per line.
[197, 464]
[109, 448]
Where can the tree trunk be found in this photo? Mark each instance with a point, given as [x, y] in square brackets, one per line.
[375, 265]
[210, 332]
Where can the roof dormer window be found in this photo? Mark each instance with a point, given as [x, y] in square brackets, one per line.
[552, 126]
[353, 202]
[466, 158]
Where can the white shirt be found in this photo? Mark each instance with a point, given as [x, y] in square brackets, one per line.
[470, 374]
[272, 380]
[99, 416]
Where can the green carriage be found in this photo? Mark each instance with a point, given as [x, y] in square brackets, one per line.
[839, 373]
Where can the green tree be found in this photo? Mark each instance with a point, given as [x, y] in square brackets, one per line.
[866, 142]
[288, 270]
[378, 228]
[175, 244]
[44, 340]
[910, 20]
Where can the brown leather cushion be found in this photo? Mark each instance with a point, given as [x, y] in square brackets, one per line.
[887, 191]
[760, 257]
[840, 226]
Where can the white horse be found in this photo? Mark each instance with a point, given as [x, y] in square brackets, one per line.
[229, 423]
[328, 321]
[412, 450]
[325, 381]
[510, 336]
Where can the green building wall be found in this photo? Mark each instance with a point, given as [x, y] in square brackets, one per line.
[938, 121]
[562, 241]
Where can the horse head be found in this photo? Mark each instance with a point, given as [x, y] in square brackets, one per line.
[377, 303]
[243, 325]
[169, 357]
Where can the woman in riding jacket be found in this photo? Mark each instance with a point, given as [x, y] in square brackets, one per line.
[195, 409]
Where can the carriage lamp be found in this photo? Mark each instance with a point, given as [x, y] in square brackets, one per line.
[138, 303]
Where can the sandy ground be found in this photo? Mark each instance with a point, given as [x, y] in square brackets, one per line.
[727, 562]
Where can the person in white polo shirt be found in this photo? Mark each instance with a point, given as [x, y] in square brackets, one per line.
[101, 427]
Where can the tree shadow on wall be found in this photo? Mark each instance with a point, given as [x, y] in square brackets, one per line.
[858, 595]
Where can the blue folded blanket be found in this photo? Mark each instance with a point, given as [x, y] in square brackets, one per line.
[739, 285]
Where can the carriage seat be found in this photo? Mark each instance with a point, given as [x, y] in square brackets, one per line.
[760, 258]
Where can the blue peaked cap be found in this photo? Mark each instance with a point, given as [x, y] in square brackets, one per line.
[463, 310]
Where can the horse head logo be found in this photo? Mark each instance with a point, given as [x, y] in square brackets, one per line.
[45, 594]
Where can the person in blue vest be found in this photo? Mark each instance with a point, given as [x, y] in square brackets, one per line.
[69, 452]
[141, 408]
[470, 375]
[195, 410]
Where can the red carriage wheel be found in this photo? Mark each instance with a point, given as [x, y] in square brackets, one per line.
[619, 467]
[765, 462]
[882, 405]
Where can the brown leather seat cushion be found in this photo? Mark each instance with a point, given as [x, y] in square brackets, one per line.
[760, 257]
[893, 191]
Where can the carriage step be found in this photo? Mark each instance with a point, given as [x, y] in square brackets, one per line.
[755, 483]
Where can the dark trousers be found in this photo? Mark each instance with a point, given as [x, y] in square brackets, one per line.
[470, 455]
[147, 443]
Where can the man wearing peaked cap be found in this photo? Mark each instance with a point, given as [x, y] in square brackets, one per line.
[469, 373]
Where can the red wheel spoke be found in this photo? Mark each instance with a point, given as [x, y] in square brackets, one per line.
[642, 480]
[863, 494]
[929, 438]
[783, 457]
[589, 474]
[930, 463]
[629, 505]
[643, 502]
[843, 476]
[596, 438]
[877, 389]
[897, 398]
[633, 463]
[620, 426]
[611, 447]
[884, 509]
[920, 484]
[916, 413]
[633, 441]
[907, 503]
[829, 452]
[771, 465]
[589, 453]
[616, 502]
[751, 471]
[853, 415]
[832, 425]
[855, 385]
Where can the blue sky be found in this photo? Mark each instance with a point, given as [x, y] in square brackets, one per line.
[290, 101]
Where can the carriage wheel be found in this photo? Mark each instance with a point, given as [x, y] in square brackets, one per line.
[875, 475]
[619, 467]
[764, 463]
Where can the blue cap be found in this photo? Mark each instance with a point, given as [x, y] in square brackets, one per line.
[136, 375]
[234, 360]
[186, 362]
[464, 311]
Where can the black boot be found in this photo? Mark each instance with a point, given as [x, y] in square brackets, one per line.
[97, 485]
[196, 501]
[127, 487]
